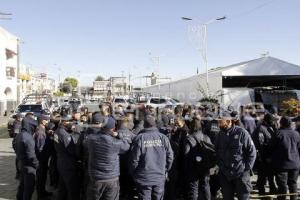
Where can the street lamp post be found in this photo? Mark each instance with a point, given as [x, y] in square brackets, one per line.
[204, 53]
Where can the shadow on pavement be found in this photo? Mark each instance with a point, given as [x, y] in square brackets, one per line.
[8, 183]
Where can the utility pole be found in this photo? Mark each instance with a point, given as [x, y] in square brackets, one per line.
[203, 50]
[18, 72]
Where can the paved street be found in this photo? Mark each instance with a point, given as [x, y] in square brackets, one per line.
[8, 183]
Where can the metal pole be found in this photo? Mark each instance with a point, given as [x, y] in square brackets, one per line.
[18, 72]
[205, 57]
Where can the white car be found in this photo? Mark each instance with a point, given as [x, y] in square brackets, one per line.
[161, 102]
[120, 101]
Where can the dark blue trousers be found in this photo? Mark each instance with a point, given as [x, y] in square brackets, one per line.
[103, 190]
[287, 179]
[26, 185]
[240, 186]
[199, 189]
[151, 192]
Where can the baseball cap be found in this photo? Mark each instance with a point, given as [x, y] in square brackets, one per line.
[110, 123]
[97, 118]
[225, 114]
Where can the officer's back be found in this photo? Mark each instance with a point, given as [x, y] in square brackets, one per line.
[104, 149]
[25, 145]
[151, 155]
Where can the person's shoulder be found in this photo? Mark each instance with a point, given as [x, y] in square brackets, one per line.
[240, 130]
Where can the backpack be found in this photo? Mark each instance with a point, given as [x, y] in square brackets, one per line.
[204, 156]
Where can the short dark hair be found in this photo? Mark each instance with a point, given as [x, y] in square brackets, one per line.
[285, 122]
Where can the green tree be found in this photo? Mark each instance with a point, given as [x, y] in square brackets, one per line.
[72, 81]
[66, 87]
[99, 78]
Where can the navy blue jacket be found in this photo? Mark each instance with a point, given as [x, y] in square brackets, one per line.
[236, 152]
[190, 152]
[126, 134]
[83, 144]
[104, 151]
[249, 123]
[151, 157]
[67, 156]
[25, 146]
[286, 150]
[262, 137]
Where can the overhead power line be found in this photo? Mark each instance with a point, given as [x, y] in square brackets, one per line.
[250, 11]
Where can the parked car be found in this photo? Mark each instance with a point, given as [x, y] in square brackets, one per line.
[29, 107]
[120, 101]
[161, 102]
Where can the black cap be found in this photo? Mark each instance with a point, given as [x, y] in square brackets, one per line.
[97, 118]
[110, 123]
[225, 114]
[19, 115]
[43, 117]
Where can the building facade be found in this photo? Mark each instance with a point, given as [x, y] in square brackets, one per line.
[8, 71]
[116, 85]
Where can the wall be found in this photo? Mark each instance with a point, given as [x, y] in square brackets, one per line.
[187, 90]
[8, 86]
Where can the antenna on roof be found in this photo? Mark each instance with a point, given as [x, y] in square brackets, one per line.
[265, 54]
[5, 16]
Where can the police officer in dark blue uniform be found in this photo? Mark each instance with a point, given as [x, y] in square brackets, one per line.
[125, 125]
[93, 128]
[16, 129]
[175, 186]
[67, 158]
[104, 166]
[27, 161]
[285, 158]
[197, 178]
[236, 155]
[265, 132]
[150, 159]
[43, 149]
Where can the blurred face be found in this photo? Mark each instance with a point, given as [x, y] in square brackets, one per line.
[84, 118]
[44, 122]
[224, 124]
[77, 116]
[67, 125]
[179, 123]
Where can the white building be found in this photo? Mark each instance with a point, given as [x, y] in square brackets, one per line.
[259, 80]
[100, 88]
[41, 83]
[8, 71]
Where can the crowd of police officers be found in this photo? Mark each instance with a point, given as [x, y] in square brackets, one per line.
[184, 153]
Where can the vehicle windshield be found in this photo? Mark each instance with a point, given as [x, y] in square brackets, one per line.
[172, 101]
[120, 101]
[29, 108]
[132, 101]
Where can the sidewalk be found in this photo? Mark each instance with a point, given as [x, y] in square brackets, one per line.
[3, 120]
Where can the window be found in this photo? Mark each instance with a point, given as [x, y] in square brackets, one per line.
[120, 101]
[10, 72]
[30, 108]
[155, 101]
[163, 101]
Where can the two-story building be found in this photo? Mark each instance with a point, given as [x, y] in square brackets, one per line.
[8, 71]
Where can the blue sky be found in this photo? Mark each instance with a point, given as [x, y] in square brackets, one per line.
[98, 37]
